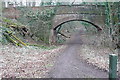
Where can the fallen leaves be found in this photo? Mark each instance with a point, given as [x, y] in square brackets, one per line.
[26, 62]
[95, 56]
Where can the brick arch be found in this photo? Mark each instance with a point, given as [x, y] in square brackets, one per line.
[64, 18]
[96, 26]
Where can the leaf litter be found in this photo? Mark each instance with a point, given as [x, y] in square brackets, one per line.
[26, 62]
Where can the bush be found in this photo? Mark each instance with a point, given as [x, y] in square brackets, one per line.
[39, 22]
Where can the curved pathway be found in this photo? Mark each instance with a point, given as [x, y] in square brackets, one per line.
[68, 64]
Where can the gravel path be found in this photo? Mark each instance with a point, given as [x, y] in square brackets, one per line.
[68, 64]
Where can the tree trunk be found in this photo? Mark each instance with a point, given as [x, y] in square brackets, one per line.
[119, 39]
[52, 37]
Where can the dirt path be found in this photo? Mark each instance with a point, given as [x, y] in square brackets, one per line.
[68, 65]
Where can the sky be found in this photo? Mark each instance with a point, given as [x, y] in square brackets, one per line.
[39, 1]
[63, 0]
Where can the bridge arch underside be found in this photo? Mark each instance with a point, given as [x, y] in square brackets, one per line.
[96, 26]
[95, 20]
[54, 30]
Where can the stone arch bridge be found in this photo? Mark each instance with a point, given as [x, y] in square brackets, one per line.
[92, 14]
[94, 19]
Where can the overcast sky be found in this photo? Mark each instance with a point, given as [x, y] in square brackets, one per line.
[39, 1]
[62, 0]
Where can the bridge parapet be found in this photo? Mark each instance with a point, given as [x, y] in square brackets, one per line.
[60, 19]
[63, 9]
[88, 9]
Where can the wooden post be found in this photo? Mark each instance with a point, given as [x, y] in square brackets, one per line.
[112, 67]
